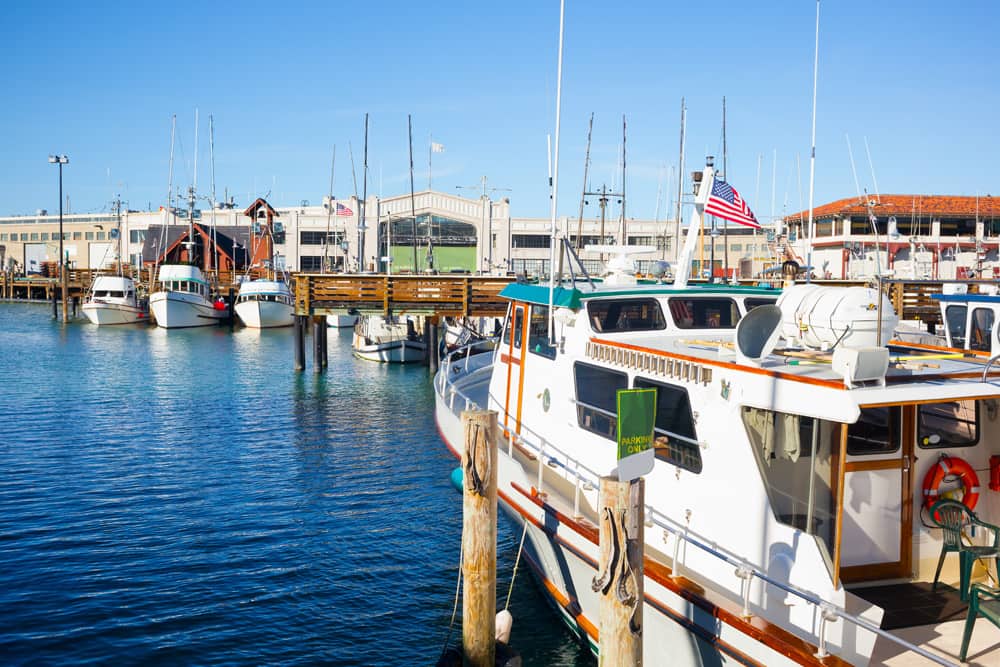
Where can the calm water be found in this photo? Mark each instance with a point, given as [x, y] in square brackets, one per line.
[185, 497]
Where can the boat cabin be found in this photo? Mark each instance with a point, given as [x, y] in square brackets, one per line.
[969, 321]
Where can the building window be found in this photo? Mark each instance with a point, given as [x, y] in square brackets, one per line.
[597, 398]
[530, 240]
[24, 236]
[310, 263]
[737, 247]
[34, 236]
[316, 238]
[625, 315]
[3, 237]
[134, 235]
[89, 236]
[954, 424]
[100, 236]
[642, 240]
[77, 236]
[45, 237]
[674, 421]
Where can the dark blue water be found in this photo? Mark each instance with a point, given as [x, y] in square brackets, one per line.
[185, 497]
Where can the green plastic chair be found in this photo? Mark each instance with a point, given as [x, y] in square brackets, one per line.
[984, 601]
[953, 517]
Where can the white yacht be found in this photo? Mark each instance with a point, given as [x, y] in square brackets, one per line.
[184, 298]
[265, 304]
[388, 339]
[796, 459]
[113, 300]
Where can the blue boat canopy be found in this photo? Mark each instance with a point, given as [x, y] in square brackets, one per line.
[539, 294]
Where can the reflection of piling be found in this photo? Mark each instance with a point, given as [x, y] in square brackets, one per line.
[318, 326]
[479, 537]
[300, 342]
[620, 579]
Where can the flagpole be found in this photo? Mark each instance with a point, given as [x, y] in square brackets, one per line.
[555, 180]
[812, 159]
[430, 158]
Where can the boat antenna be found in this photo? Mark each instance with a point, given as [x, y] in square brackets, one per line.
[413, 202]
[211, 154]
[680, 177]
[329, 212]
[812, 157]
[364, 200]
[118, 217]
[624, 237]
[354, 179]
[583, 193]
[871, 166]
[555, 179]
[168, 213]
[725, 176]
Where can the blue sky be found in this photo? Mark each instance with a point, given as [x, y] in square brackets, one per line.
[286, 82]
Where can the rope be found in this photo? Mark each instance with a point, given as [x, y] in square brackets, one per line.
[517, 561]
[454, 609]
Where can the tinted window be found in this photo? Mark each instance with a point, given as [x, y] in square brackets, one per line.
[875, 432]
[597, 398]
[673, 418]
[750, 304]
[982, 327]
[538, 333]
[626, 315]
[953, 424]
[954, 317]
[704, 313]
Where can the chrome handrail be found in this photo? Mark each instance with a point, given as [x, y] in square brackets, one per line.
[989, 363]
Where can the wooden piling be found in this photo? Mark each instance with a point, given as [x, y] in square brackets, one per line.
[479, 537]
[300, 342]
[620, 571]
[232, 308]
[317, 349]
[55, 302]
[324, 332]
[65, 288]
[432, 348]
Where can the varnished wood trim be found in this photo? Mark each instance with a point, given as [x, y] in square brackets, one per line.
[840, 505]
[871, 572]
[881, 464]
[906, 533]
[832, 384]
[526, 314]
[760, 629]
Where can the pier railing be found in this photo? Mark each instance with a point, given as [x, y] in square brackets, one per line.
[548, 455]
[460, 296]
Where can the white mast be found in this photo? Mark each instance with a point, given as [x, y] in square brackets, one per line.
[694, 225]
[555, 181]
[812, 158]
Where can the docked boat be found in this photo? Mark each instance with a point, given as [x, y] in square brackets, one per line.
[797, 457]
[388, 339]
[265, 304]
[114, 300]
[184, 299]
[341, 321]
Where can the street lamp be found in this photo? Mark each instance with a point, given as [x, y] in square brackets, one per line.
[61, 160]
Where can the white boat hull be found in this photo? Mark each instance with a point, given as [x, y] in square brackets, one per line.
[392, 352]
[265, 314]
[341, 321]
[106, 314]
[178, 310]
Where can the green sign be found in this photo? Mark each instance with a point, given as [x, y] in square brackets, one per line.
[636, 418]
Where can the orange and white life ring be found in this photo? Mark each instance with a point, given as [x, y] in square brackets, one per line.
[951, 466]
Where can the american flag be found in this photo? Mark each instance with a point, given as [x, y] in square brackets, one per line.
[726, 203]
[343, 210]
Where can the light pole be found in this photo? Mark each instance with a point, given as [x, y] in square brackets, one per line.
[61, 160]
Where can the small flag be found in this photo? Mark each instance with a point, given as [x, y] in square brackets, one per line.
[343, 210]
[436, 147]
[726, 203]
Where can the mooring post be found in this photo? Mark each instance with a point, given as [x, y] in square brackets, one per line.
[317, 350]
[324, 332]
[76, 306]
[619, 581]
[479, 537]
[232, 308]
[426, 333]
[55, 302]
[432, 347]
[300, 342]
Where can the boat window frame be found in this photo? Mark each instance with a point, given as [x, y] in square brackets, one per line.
[694, 326]
[894, 441]
[656, 319]
[677, 447]
[985, 336]
[539, 344]
[585, 409]
[958, 342]
[949, 444]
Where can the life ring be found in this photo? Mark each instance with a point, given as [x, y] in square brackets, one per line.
[951, 466]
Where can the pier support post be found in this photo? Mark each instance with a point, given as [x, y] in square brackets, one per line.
[55, 302]
[76, 306]
[300, 342]
[317, 338]
[619, 581]
[426, 334]
[432, 348]
[324, 332]
[232, 308]
[479, 537]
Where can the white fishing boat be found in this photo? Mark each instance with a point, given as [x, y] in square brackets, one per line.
[797, 456]
[388, 339]
[341, 321]
[184, 299]
[114, 300]
[265, 304]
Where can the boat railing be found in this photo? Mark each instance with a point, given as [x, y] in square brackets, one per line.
[586, 479]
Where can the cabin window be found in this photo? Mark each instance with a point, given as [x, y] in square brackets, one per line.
[673, 418]
[518, 326]
[795, 457]
[750, 304]
[704, 313]
[981, 329]
[954, 317]
[538, 333]
[597, 398]
[875, 432]
[625, 315]
[951, 424]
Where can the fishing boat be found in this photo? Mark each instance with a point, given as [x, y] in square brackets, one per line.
[391, 339]
[184, 298]
[265, 304]
[797, 458]
[114, 299]
[342, 320]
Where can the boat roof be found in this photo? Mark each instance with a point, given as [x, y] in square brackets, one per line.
[987, 298]
[106, 282]
[572, 297]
